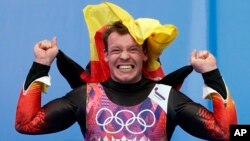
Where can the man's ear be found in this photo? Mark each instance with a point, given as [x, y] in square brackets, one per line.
[106, 55]
[145, 52]
[145, 57]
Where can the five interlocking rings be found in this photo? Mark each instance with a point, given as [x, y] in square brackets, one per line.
[128, 123]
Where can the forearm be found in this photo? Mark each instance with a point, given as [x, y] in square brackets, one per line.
[36, 71]
[214, 81]
[70, 70]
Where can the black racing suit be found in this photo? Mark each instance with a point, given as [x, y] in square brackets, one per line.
[61, 113]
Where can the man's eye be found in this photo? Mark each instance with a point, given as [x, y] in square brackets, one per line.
[115, 51]
[134, 49]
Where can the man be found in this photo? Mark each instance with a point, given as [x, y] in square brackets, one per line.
[128, 106]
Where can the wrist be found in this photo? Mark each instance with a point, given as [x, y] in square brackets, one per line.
[208, 69]
[43, 61]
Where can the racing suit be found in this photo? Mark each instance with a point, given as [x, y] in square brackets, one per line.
[146, 110]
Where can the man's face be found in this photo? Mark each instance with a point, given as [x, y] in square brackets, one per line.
[125, 58]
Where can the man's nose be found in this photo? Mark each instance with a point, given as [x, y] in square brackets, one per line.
[124, 55]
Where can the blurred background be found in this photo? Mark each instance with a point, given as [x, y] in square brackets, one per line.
[219, 26]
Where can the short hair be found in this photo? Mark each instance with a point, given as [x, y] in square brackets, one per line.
[120, 28]
[114, 27]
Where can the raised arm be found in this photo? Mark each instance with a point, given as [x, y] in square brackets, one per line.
[216, 123]
[31, 117]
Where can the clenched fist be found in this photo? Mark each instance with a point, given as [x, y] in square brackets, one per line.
[45, 51]
[203, 61]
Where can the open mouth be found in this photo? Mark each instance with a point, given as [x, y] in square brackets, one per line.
[125, 68]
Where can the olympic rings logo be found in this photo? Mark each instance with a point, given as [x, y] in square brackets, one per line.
[125, 124]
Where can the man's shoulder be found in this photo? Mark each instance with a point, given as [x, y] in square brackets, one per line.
[79, 90]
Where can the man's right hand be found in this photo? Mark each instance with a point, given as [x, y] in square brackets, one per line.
[45, 51]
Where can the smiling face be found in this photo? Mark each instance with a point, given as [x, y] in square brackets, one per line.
[125, 58]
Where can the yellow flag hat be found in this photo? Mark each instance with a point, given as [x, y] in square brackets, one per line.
[158, 38]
